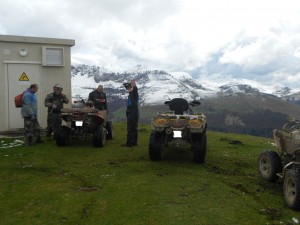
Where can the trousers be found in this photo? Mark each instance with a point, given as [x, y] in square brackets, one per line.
[54, 122]
[132, 127]
[32, 132]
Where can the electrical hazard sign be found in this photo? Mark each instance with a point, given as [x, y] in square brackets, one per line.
[23, 77]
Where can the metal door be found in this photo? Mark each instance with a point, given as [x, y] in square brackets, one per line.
[20, 77]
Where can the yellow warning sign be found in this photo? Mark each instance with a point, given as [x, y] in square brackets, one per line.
[23, 77]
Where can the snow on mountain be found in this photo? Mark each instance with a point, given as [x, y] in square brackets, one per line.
[162, 86]
[181, 75]
[83, 84]
[137, 69]
[249, 86]
[155, 86]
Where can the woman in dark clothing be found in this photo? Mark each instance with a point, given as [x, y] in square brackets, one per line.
[132, 114]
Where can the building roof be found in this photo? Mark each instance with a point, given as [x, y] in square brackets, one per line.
[38, 40]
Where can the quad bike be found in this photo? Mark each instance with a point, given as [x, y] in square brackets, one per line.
[285, 162]
[177, 127]
[81, 122]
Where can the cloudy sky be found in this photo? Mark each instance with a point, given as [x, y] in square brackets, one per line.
[210, 39]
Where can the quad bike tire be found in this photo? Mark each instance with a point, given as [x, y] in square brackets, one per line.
[63, 136]
[99, 137]
[269, 164]
[199, 146]
[291, 189]
[156, 146]
[110, 130]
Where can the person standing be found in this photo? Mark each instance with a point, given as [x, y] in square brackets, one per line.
[132, 114]
[54, 102]
[29, 113]
[98, 97]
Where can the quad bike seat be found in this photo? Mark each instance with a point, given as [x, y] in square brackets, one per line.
[178, 105]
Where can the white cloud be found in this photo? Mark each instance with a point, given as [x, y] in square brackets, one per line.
[215, 38]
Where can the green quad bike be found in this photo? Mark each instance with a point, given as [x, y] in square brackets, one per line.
[177, 127]
[82, 122]
[285, 162]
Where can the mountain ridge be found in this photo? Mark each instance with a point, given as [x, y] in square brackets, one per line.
[240, 106]
[152, 81]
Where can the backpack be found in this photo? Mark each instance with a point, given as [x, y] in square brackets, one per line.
[18, 100]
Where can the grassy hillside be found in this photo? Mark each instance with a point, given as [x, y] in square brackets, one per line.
[83, 185]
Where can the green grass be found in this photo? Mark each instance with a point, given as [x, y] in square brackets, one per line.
[83, 185]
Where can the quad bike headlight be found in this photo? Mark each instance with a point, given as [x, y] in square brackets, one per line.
[160, 122]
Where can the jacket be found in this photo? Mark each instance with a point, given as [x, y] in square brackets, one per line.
[98, 99]
[133, 100]
[58, 100]
[29, 104]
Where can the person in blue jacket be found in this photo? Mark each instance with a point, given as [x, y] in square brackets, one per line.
[29, 113]
[132, 114]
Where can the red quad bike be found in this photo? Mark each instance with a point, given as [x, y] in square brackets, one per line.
[82, 122]
[179, 126]
[285, 162]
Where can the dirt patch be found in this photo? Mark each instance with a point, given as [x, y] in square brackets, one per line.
[241, 188]
[235, 142]
[272, 213]
[143, 130]
[88, 189]
[232, 141]
[117, 162]
[218, 170]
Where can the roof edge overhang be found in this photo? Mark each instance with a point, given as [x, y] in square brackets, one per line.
[37, 40]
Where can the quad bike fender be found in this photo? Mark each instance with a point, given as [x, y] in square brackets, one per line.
[159, 125]
[157, 129]
[201, 128]
[102, 114]
[197, 130]
[100, 117]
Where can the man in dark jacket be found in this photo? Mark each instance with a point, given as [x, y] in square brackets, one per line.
[98, 97]
[29, 113]
[54, 102]
[132, 114]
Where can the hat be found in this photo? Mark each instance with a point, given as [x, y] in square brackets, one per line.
[58, 86]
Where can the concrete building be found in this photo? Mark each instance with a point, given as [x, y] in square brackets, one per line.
[28, 60]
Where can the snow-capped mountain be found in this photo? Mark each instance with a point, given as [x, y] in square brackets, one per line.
[155, 86]
[241, 106]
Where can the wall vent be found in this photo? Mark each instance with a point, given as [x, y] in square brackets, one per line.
[53, 56]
